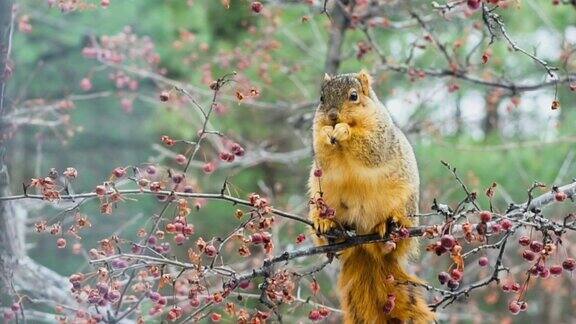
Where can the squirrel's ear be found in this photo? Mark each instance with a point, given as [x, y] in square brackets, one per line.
[327, 78]
[365, 81]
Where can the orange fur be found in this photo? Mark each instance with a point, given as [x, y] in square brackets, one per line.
[369, 178]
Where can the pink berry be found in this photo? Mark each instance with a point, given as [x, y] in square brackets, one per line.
[560, 196]
[257, 6]
[314, 315]
[483, 261]
[179, 238]
[524, 240]
[208, 167]
[85, 84]
[181, 159]
[215, 317]
[237, 150]
[61, 243]
[151, 169]
[15, 307]
[119, 172]
[257, 238]
[100, 190]
[195, 302]
[496, 228]
[513, 307]
[210, 250]
[485, 216]
[506, 224]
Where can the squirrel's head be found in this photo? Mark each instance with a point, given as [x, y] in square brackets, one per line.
[347, 98]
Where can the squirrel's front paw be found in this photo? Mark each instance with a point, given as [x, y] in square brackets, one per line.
[323, 225]
[327, 132]
[341, 133]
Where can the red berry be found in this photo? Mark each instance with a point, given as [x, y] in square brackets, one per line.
[244, 284]
[323, 311]
[473, 4]
[314, 315]
[556, 270]
[485, 216]
[528, 255]
[524, 240]
[545, 273]
[318, 173]
[456, 274]
[514, 307]
[536, 246]
[569, 264]
[300, 238]
[164, 96]
[483, 261]
[560, 196]
[215, 317]
[506, 224]
[447, 241]
[257, 6]
[119, 172]
[515, 287]
[523, 306]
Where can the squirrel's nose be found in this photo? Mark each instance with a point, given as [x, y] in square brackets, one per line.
[333, 115]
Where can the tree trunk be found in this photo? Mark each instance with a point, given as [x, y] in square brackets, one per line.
[340, 24]
[17, 270]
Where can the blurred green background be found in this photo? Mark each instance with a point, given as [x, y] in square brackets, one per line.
[477, 129]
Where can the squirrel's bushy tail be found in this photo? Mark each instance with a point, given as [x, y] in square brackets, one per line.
[365, 286]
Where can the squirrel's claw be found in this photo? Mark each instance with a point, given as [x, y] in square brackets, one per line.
[323, 225]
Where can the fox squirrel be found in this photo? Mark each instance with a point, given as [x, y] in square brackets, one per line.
[365, 171]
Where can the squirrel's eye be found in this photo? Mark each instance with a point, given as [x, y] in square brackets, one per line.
[353, 96]
[322, 98]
